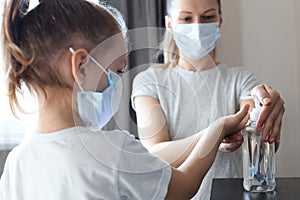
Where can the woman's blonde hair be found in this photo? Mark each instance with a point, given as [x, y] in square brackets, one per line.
[33, 40]
[171, 53]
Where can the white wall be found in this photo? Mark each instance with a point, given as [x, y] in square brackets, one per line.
[265, 37]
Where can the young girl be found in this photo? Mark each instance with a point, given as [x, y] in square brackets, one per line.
[174, 101]
[69, 53]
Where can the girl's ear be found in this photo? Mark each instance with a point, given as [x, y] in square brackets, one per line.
[168, 23]
[79, 57]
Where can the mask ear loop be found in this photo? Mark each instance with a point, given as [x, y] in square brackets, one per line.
[33, 4]
[98, 64]
[102, 68]
[95, 61]
[76, 79]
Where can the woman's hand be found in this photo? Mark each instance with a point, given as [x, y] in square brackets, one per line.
[270, 119]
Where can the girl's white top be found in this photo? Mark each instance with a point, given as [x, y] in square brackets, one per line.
[78, 164]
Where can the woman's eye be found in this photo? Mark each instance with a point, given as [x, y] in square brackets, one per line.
[186, 19]
[208, 17]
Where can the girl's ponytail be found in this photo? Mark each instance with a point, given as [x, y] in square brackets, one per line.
[15, 60]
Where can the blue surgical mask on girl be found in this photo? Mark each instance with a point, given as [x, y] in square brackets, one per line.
[196, 40]
[96, 109]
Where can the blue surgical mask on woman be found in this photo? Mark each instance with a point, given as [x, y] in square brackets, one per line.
[96, 109]
[196, 40]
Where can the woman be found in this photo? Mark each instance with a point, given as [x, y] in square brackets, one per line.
[72, 64]
[177, 100]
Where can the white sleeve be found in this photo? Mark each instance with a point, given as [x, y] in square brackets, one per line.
[5, 183]
[142, 175]
[2, 187]
[144, 84]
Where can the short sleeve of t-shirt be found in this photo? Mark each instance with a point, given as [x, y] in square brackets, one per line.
[142, 175]
[247, 80]
[144, 84]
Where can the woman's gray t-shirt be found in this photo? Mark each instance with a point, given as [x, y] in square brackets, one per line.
[193, 100]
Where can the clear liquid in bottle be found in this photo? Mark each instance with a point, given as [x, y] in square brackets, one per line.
[258, 162]
[258, 156]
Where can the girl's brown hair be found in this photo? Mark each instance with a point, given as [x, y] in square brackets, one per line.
[171, 53]
[33, 40]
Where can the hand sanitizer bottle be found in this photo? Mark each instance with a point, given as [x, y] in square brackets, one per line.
[258, 156]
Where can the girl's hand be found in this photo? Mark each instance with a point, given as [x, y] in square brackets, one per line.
[231, 143]
[232, 126]
[234, 123]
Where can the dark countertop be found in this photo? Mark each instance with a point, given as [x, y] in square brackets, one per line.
[232, 189]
